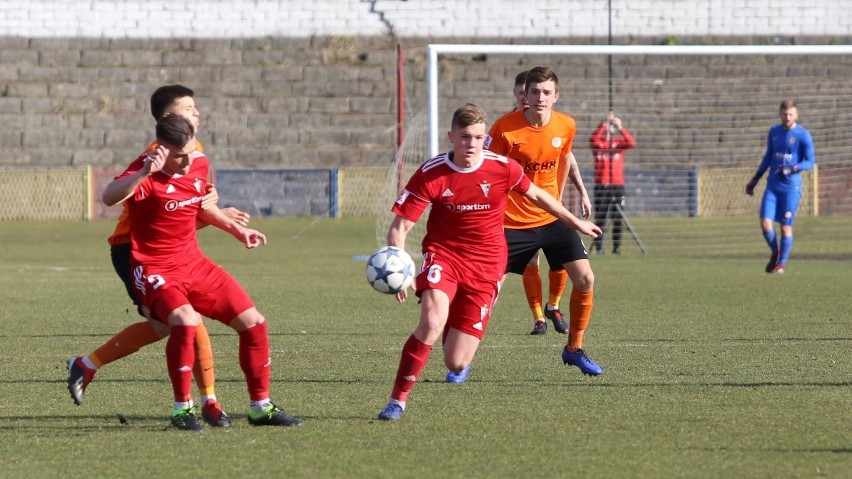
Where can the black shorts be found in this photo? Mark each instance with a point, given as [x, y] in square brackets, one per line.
[561, 244]
[120, 255]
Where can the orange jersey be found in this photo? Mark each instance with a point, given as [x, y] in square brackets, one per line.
[541, 151]
[121, 234]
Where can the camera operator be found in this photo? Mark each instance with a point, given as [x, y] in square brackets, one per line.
[609, 142]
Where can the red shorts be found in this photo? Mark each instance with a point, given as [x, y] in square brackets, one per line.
[201, 283]
[471, 299]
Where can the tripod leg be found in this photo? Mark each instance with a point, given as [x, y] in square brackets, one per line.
[630, 228]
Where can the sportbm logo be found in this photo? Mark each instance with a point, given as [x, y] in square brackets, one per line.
[462, 208]
[174, 204]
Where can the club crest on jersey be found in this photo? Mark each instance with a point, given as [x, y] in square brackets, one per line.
[402, 196]
[197, 185]
[486, 187]
[556, 142]
[792, 140]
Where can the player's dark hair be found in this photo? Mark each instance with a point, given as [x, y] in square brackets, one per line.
[787, 104]
[174, 130]
[541, 75]
[165, 96]
[521, 78]
[466, 115]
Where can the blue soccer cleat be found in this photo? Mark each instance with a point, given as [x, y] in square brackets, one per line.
[578, 358]
[459, 377]
[391, 412]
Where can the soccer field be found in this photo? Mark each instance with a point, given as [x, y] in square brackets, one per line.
[712, 367]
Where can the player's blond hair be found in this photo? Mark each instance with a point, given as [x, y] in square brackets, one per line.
[466, 115]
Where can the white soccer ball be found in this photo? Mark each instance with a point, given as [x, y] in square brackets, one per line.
[390, 270]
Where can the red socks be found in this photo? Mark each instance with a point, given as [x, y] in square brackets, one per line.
[255, 360]
[180, 355]
[412, 361]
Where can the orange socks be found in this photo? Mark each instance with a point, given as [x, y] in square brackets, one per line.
[125, 343]
[558, 279]
[532, 288]
[202, 370]
[580, 310]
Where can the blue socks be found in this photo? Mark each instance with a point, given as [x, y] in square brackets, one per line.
[769, 236]
[786, 247]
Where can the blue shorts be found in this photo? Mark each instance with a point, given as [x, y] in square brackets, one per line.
[780, 206]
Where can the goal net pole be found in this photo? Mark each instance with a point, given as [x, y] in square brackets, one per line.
[400, 114]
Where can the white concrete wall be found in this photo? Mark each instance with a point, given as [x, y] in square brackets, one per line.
[422, 18]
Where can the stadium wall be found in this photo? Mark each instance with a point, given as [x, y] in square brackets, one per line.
[422, 18]
[310, 85]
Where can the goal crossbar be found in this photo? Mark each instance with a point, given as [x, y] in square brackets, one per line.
[436, 49]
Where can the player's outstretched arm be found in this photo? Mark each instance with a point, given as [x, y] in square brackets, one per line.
[549, 204]
[397, 232]
[577, 179]
[211, 198]
[249, 237]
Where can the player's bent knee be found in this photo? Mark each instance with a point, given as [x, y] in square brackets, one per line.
[247, 319]
[159, 328]
[585, 282]
[183, 316]
[454, 365]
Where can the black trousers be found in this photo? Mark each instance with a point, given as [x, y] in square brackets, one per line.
[606, 197]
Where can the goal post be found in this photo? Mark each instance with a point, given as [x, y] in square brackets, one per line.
[700, 116]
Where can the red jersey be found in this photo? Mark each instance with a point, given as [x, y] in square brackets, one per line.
[163, 210]
[468, 204]
[121, 234]
[609, 155]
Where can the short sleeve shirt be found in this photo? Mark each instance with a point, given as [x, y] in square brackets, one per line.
[468, 205]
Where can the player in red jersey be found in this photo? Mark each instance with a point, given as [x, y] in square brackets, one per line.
[176, 281]
[464, 249]
[168, 99]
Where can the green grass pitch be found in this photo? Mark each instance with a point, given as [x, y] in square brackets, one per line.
[712, 369]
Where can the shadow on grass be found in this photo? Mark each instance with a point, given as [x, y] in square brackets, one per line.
[626, 385]
[115, 422]
[836, 450]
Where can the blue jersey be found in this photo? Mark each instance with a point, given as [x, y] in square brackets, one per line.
[785, 148]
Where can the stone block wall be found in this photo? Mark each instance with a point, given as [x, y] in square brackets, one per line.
[321, 102]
